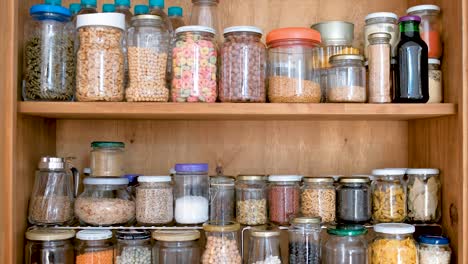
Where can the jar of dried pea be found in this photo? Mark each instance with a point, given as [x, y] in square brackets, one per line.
[388, 196]
[393, 244]
[94, 246]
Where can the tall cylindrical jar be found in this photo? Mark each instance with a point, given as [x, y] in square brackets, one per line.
[264, 247]
[154, 200]
[283, 198]
[424, 197]
[379, 68]
[393, 244]
[49, 244]
[430, 27]
[318, 198]
[353, 198]
[222, 199]
[94, 246]
[381, 22]
[243, 65]
[100, 57]
[304, 240]
[133, 246]
[435, 81]
[221, 243]
[434, 249]
[176, 247]
[346, 79]
[388, 196]
[107, 159]
[251, 200]
[346, 245]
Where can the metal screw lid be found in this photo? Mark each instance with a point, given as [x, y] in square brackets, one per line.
[51, 163]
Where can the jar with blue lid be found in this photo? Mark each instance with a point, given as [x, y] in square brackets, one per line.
[434, 249]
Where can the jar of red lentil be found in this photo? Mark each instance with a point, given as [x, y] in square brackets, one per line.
[283, 198]
[94, 246]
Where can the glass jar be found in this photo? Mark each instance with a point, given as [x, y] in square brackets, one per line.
[194, 65]
[221, 243]
[100, 57]
[264, 247]
[222, 199]
[105, 202]
[393, 244]
[154, 200]
[434, 249]
[346, 245]
[291, 76]
[382, 22]
[94, 246]
[304, 240]
[346, 79]
[176, 247]
[191, 193]
[107, 159]
[388, 196]
[205, 13]
[379, 68]
[243, 65]
[424, 199]
[430, 27]
[133, 246]
[435, 81]
[353, 197]
[251, 200]
[46, 245]
[283, 198]
[318, 198]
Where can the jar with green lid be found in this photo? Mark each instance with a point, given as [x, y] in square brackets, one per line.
[318, 198]
[176, 247]
[264, 247]
[133, 246]
[393, 244]
[251, 200]
[346, 80]
[388, 196]
[222, 199]
[107, 159]
[154, 200]
[346, 244]
[353, 196]
[434, 250]
[45, 244]
[222, 245]
[424, 198]
[304, 240]
[94, 246]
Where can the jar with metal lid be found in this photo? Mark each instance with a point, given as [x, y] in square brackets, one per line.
[222, 199]
[388, 196]
[353, 196]
[284, 198]
[176, 247]
[393, 244]
[347, 244]
[251, 200]
[382, 22]
[105, 202]
[430, 27]
[133, 246]
[379, 68]
[291, 76]
[318, 198]
[46, 245]
[154, 200]
[264, 247]
[221, 243]
[435, 81]
[191, 193]
[107, 159]
[304, 240]
[424, 198]
[94, 246]
[346, 79]
[434, 250]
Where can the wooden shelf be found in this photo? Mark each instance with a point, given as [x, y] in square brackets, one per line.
[228, 111]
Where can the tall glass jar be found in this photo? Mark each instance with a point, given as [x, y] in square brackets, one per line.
[393, 244]
[148, 47]
[191, 193]
[176, 247]
[430, 27]
[434, 249]
[284, 198]
[221, 243]
[346, 79]
[304, 240]
[346, 245]
[49, 55]
[194, 65]
[243, 65]
[388, 196]
[435, 81]
[251, 200]
[133, 246]
[44, 245]
[379, 68]
[154, 200]
[424, 198]
[264, 247]
[318, 198]
[94, 246]
[222, 199]
[107, 159]
[100, 57]
[205, 13]
[353, 196]
[382, 22]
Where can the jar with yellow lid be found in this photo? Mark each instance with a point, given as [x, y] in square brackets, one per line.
[176, 246]
[44, 244]
[251, 199]
[221, 243]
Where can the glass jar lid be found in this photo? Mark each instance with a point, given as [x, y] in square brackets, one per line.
[217, 226]
[133, 234]
[176, 236]
[284, 178]
[381, 15]
[347, 230]
[419, 8]
[195, 29]
[105, 181]
[294, 33]
[341, 57]
[355, 180]
[47, 234]
[251, 177]
[146, 17]
[51, 163]
[107, 144]
[154, 179]
[389, 172]
[426, 171]
[319, 179]
[54, 9]
[94, 234]
[433, 240]
[335, 32]
[115, 20]
[256, 232]
[191, 167]
[242, 29]
[307, 220]
[394, 228]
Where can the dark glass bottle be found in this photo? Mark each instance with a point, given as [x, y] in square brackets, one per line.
[412, 82]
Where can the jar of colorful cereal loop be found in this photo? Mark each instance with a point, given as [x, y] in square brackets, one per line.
[194, 65]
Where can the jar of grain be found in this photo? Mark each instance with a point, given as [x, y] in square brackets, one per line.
[100, 57]
[107, 159]
[222, 199]
[353, 196]
[430, 27]
[291, 76]
[222, 245]
[434, 249]
[264, 246]
[283, 198]
[133, 246]
[424, 199]
[388, 196]
[346, 244]
[435, 81]
[251, 200]
[318, 198]
[176, 246]
[379, 68]
[393, 244]
[382, 22]
[154, 200]
[45, 244]
[94, 246]
[346, 79]
[304, 240]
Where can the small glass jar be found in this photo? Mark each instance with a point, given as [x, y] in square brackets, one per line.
[243, 66]
[176, 247]
[382, 22]
[430, 27]
[379, 68]
[291, 76]
[251, 200]
[264, 247]
[107, 159]
[346, 79]
[44, 245]
[221, 243]
[353, 197]
[154, 200]
[388, 196]
[133, 246]
[100, 66]
[346, 244]
[194, 65]
[424, 199]
[105, 202]
[318, 198]
[393, 244]
[435, 81]
[304, 240]
[94, 246]
[284, 198]
[191, 193]
[434, 249]
[222, 199]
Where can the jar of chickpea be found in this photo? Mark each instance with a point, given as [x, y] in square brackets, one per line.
[221, 243]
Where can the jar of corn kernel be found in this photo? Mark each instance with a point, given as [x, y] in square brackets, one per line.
[221, 243]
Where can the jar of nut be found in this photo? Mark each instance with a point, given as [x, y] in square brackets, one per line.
[100, 57]
[251, 199]
[318, 198]
[221, 243]
[346, 80]
[388, 196]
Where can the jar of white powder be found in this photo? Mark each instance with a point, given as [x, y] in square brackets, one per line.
[434, 250]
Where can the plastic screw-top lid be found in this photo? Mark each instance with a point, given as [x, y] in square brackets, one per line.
[47, 234]
[191, 167]
[286, 178]
[347, 230]
[51, 163]
[307, 220]
[89, 3]
[424, 171]
[389, 172]
[294, 33]
[106, 144]
[105, 181]
[195, 29]
[175, 236]
[53, 2]
[133, 234]
[122, 3]
[60, 10]
[433, 240]
[94, 234]
[175, 11]
[75, 8]
[355, 180]
[116, 20]
[434, 61]
[215, 226]
[108, 8]
[409, 18]
[256, 232]
[243, 29]
[141, 10]
[335, 32]
[394, 228]
[154, 179]
[419, 8]
[156, 3]
[381, 15]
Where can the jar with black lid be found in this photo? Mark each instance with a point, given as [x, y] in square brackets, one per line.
[353, 197]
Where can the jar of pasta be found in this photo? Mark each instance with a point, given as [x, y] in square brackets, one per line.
[107, 159]
[388, 196]
[221, 243]
[424, 201]
[393, 244]
[318, 198]
[94, 246]
[434, 249]
[251, 200]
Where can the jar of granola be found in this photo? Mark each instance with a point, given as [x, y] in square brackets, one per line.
[388, 196]
[393, 244]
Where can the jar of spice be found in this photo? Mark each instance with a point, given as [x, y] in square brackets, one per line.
[353, 196]
[251, 200]
[346, 79]
[382, 22]
[304, 240]
[388, 196]
[94, 246]
[430, 27]
[424, 199]
[221, 243]
[346, 244]
[393, 244]
[435, 81]
[107, 159]
[49, 244]
[154, 200]
[264, 247]
[434, 250]
[133, 246]
[283, 198]
[222, 199]
[318, 198]
[379, 68]
[176, 247]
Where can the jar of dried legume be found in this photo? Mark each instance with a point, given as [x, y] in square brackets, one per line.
[154, 200]
[94, 246]
[133, 246]
[283, 198]
[388, 196]
[221, 243]
[393, 244]
[251, 200]
[304, 240]
[318, 198]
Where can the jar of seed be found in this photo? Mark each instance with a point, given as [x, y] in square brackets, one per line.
[304, 240]
[222, 199]
[251, 200]
[388, 196]
[318, 198]
[154, 200]
[133, 246]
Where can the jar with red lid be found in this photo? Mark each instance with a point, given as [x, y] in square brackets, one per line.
[429, 28]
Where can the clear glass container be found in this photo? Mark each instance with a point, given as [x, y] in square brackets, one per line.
[105, 202]
[133, 246]
[284, 198]
[346, 245]
[222, 199]
[264, 247]
[243, 65]
[430, 27]
[304, 240]
[251, 200]
[205, 13]
[434, 250]
[388, 196]
[100, 58]
[46, 246]
[346, 79]
[318, 198]
[382, 22]
[107, 159]
[148, 48]
[424, 195]
[94, 246]
[154, 200]
[222, 243]
[176, 247]
[191, 193]
[49, 55]
[175, 14]
[393, 244]
[353, 196]
[435, 81]
[379, 68]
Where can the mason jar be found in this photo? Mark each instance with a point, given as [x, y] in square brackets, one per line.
[434, 249]
[318, 198]
[107, 159]
[382, 22]
[222, 199]
[354, 204]
[346, 244]
[222, 243]
[251, 200]
[304, 240]
[388, 196]
[264, 246]
[424, 196]
[176, 247]
[430, 27]
[45, 244]
[154, 200]
[283, 198]
[393, 244]
[346, 79]
[94, 246]
[133, 246]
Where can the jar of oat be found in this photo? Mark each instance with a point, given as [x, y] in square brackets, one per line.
[353, 200]
[435, 81]
[434, 250]
[221, 243]
[388, 196]
[393, 244]
[100, 57]
[94, 246]
[176, 246]
[318, 198]
[154, 200]
[251, 200]
[107, 159]
[283, 198]
[346, 79]
[148, 46]
[45, 244]
[291, 76]
[304, 240]
[424, 199]
[133, 246]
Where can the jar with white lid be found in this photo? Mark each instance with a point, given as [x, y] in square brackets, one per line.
[45, 244]
[133, 246]
[154, 200]
[388, 196]
[251, 200]
[318, 198]
[424, 197]
[346, 79]
[382, 22]
[393, 244]
[284, 198]
[430, 27]
[222, 243]
[435, 81]
[434, 249]
[264, 247]
[176, 246]
[107, 159]
[94, 246]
